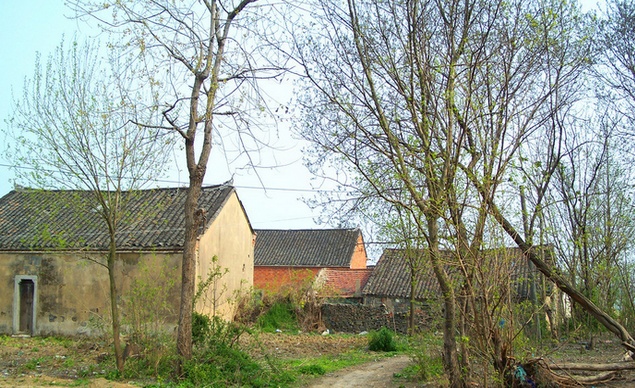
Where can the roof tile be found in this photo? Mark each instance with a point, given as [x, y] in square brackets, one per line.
[69, 219]
[305, 248]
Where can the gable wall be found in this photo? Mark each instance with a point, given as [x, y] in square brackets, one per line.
[230, 239]
[358, 260]
[72, 293]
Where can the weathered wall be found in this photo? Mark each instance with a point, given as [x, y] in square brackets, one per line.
[272, 279]
[355, 318]
[229, 238]
[72, 292]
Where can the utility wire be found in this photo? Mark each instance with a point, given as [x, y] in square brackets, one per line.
[157, 180]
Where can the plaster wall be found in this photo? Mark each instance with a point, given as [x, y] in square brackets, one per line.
[72, 291]
[229, 238]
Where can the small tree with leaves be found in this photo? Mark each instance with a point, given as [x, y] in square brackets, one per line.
[73, 128]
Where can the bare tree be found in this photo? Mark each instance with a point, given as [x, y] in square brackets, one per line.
[200, 55]
[439, 97]
[72, 128]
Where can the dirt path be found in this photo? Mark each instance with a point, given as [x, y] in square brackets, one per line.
[378, 374]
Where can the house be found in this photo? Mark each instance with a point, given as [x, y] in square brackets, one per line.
[53, 245]
[391, 285]
[291, 258]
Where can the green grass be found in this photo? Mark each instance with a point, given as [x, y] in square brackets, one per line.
[280, 316]
[330, 363]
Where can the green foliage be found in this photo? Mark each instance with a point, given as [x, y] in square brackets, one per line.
[428, 362]
[382, 341]
[280, 316]
[219, 360]
[211, 282]
[201, 325]
[312, 369]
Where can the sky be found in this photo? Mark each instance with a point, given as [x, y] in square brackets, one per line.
[29, 27]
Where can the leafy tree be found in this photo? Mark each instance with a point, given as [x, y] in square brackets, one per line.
[72, 128]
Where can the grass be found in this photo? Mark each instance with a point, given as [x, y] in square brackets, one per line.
[280, 316]
[71, 359]
[314, 366]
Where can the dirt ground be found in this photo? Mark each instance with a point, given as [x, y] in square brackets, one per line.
[377, 374]
[39, 362]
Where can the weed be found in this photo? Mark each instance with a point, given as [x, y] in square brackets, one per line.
[312, 369]
[382, 341]
[33, 363]
[280, 316]
[68, 363]
[427, 357]
[201, 326]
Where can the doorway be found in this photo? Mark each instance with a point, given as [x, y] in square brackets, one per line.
[24, 304]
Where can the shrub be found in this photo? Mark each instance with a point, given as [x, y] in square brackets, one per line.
[428, 362]
[382, 341]
[219, 361]
[312, 369]
[281, 315]
[201, 325]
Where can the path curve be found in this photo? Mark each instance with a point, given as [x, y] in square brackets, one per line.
[377, 374]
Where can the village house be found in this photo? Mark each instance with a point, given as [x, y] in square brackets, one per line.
[335, 259]
[391, 283]
[52, 254]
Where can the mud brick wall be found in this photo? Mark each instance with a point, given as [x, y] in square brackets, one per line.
[351, 318]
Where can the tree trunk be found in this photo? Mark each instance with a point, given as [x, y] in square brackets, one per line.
[603, 318]
[188, 274]
[114, 308]
[450, 358]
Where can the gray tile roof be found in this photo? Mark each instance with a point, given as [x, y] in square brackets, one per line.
[68, 219]
[305, 248]
[391, 277]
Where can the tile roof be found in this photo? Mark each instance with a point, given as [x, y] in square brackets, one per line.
[305, 248]
[69, 219]
[391, 277]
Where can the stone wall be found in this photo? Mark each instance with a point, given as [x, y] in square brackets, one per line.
[355, 318]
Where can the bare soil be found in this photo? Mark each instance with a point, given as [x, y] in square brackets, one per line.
[40, 362]
[377, 374]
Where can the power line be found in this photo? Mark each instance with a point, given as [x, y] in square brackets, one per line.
[174, 182]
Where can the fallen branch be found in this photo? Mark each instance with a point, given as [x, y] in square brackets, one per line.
[615, 366]
[596, 379]
[542, 374]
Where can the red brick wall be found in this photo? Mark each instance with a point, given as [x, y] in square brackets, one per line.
[358, 260]
[271, 279]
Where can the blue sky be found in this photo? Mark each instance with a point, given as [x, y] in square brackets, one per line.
[28, 27]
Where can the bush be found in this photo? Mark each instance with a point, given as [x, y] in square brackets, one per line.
[219, 361]
[280, 316]
[201, 327]
[382, 341]
[312, 369]
[427, 357]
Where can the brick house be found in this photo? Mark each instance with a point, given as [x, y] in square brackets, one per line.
[291, 258]
[52, 253]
